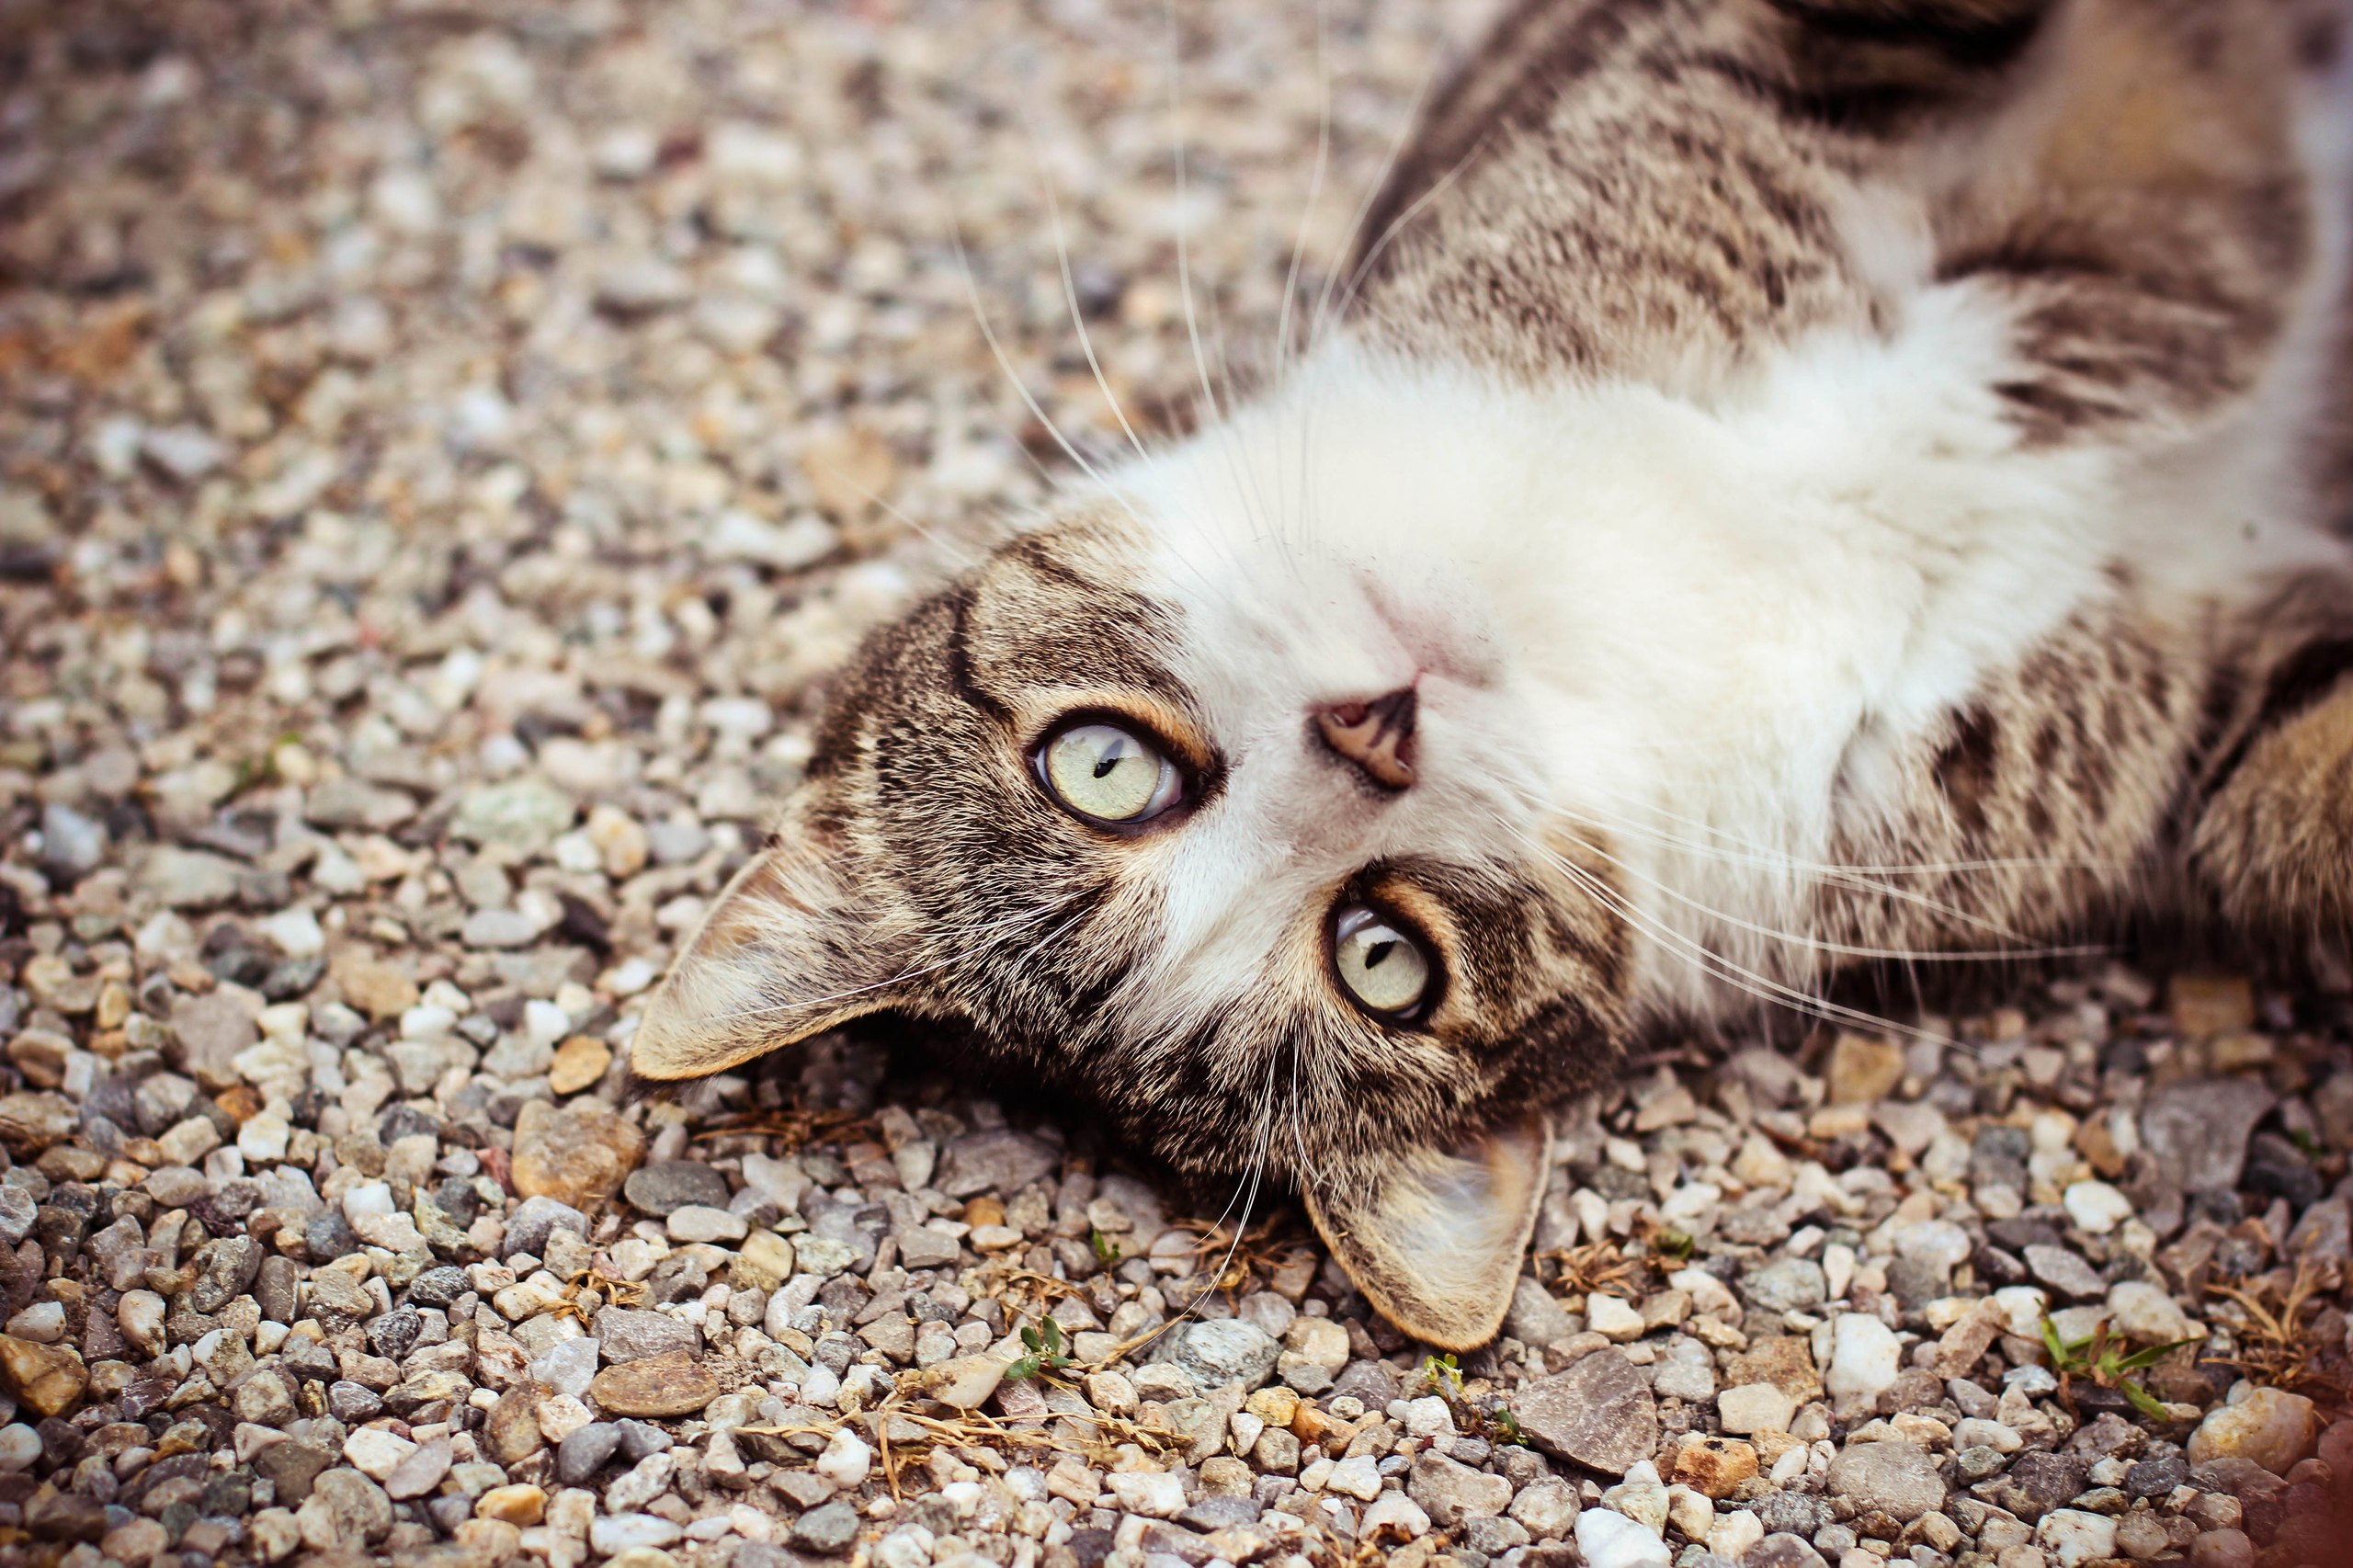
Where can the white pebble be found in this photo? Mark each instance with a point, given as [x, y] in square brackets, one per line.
[2097, 1207]
[43, 1322]
[19, 1447]
[1865, 1357]
[372, 1198]
[1610, 1539]
[295, 932]
[846, 1460]
[1612, 1319]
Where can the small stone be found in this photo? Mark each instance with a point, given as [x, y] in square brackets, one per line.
[2223, 1549]
[1791, 1284]
[1220, 1351]
[32, 1122]
[1548, 1508]
[2073, 1537]
[189, 879]
[420, 1472]
[846, 1461]
[1599, 1413]
[1612, 1319]
[585, 1450]
[634, 1333]
[522, 814]
[1156, 1494]
[1755, 1407]
[2064, 1272]
[1453, 1493]
[657, 1388]
[576, 1155]
[1865, 1357]
[699, 1222]
[611, 1534]
[1783, 1550]
[375, 1452]
[1895, 1477]
[580, 1062]
[667, 1185]
[1608, 1539]
[965, 1382]
[522, 1505]
[1863, 1069]
[2148, 1315]
[827, 1529]
[1714, 1467]
[48, 1380]
[2096, 1207]
[2195, 1129]
[567, 1368]
[375, 987]
[2204, 1005]
[344, 1508]
[2268, 1427]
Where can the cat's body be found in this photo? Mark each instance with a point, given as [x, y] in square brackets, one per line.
[1799, 481]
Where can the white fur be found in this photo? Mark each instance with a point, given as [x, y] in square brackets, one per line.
[1657, 616]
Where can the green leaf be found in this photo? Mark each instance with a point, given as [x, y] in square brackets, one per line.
[2141, 1359]
[2143, 1402]
[2061, 1357]
[1511, 1424]
[1106, 1251]
[1025, 1368]
[1030, 1337]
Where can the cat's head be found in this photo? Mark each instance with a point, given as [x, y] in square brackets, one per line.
[1236, 841]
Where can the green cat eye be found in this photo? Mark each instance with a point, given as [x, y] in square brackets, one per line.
[1106, 773]
[1380, 965]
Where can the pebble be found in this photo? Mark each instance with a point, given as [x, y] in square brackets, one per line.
[1893, 1477]
[47, 1379]
[1599, 1412]
[663, 1185]
[696, 1222]
[846, 1461]
[612, 1534]
[2195, 1129]
[1755, 1407]
[662, 1387]
[1608, 1539]
[2270, 1427]
[1221, 1351]
[2096, 1207]
[579, 1063]
[2073, 1537]
[576, 1155]
[1156, 1494]
[1865, 1357]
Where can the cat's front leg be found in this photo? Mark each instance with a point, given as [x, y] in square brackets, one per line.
[2273, 843]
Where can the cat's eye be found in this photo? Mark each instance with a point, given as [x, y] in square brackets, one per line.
[1106, 773]
[1383, 966]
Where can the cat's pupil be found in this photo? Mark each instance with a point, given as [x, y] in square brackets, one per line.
[1379, 955]
[1112, 757]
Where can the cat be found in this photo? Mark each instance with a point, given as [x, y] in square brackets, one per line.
[1791, 483]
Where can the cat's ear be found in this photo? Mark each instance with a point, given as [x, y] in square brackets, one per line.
[786, 953]
[1434, 1237]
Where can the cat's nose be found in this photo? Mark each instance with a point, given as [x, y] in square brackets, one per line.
[1378, 735]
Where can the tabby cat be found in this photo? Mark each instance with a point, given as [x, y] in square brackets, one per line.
[1797, 482]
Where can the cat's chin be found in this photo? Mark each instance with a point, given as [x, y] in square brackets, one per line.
[1434, 1237]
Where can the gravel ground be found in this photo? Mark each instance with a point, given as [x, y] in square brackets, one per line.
[439, 449]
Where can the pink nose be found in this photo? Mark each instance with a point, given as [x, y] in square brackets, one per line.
[1378, 735]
